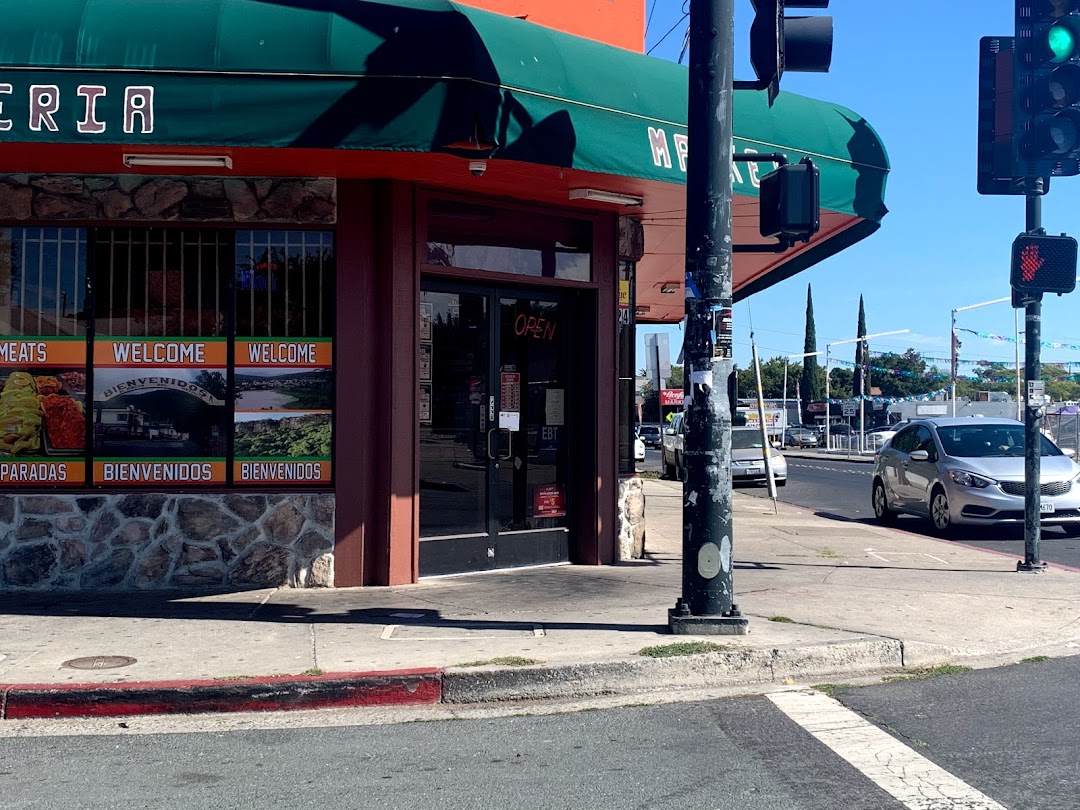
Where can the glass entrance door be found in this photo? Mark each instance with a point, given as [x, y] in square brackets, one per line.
[494, 432]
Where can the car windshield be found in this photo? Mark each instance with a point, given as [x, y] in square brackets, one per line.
[746, 440]
[649, 430]
[988, 441]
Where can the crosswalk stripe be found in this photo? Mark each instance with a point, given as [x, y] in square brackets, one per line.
[912, 779]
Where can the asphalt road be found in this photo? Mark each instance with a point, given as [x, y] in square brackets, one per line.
[1007, 735]
[841, 490]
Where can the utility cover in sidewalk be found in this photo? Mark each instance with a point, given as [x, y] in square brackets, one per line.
[459, 631]
[99, 662]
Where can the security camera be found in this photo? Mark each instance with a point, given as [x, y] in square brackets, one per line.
[477, 167]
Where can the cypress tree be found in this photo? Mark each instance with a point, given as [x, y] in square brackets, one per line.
[862, 357]
[810, 382]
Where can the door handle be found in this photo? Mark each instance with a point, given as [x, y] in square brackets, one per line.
[509, 444]
[491, 453]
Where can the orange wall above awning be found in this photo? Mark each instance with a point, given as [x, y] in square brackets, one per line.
[614, 22]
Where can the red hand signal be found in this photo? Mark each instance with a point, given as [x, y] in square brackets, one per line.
[1030, 262]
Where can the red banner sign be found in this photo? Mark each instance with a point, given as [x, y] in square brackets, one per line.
[671, 398]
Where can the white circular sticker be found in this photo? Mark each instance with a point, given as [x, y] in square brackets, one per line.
[708, 561]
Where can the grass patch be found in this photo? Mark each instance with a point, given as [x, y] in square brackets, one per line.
[830, 554]
[652, 475]
[829, 688]
[781, 619]
[505, 661]
[681, 648]
[922, 673]
[1035, 659]
[312, 671]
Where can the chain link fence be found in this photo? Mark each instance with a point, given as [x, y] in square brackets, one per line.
[1064, 428]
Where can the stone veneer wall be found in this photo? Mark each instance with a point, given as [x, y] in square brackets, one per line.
[136, 198]
[631, 543]
[147, 540]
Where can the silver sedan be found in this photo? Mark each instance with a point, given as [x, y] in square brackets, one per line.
[748, 457]
[971, 471]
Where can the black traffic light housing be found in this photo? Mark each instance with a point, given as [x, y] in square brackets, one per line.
[1043, 264]
[997, 138]
[790, 202]
[779, 43]
[1046, 86]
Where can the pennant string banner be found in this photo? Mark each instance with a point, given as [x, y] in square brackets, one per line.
[931, 375]
[888, 400]
[1046, 344]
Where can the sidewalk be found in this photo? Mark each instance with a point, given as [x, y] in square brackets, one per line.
[860, 599]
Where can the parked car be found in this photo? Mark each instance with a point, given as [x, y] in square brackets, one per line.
[671, 447]
[959, 471]
[878, 437]
[639, 449]
[747, 459]
[650, 434]
[747, 462]
[800, 436]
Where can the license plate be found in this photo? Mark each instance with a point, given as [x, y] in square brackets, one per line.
[755, 471]
[1046, 508]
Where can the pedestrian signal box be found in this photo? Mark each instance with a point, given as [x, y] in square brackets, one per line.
[1043, 263]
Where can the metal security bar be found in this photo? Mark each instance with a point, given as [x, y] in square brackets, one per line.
[284, 283]
[42, 281]
[157, 282]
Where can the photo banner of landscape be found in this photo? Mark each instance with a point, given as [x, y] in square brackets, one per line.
[160, 411]
[283, 411]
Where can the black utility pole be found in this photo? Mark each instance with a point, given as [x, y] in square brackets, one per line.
[707, 603]
[1034, 401]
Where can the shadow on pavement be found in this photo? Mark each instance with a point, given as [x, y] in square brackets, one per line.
[187, 606]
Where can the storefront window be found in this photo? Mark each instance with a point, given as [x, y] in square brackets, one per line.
[209, 347]
[283, 417]
[478, 237]
[160, 366]
[42, 356]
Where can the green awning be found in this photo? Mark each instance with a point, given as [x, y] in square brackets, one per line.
[412, 75]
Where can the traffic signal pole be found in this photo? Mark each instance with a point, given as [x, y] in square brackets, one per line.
[707, 604]
[1034, 409]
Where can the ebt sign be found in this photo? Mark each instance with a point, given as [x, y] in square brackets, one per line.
[41, 104]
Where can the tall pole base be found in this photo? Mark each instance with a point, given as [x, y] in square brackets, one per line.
[1038, 567]
[682, 623]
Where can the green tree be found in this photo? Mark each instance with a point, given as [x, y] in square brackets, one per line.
[861, 355]
[840, 382]
[772, 379]
[906, 375]
[812, 380]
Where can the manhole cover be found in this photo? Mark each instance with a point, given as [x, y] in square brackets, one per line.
[99, 662]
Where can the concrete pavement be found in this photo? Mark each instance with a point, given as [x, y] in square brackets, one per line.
[826, 599]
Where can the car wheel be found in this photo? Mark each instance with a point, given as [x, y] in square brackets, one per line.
[881, 504]
[940, 515]
[1071, 529]
[669, 469]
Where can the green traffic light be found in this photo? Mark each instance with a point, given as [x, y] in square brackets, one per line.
[1062, 43]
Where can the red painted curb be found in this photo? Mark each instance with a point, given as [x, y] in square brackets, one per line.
[272, 693]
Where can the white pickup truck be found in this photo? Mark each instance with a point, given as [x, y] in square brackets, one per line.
[671, 447]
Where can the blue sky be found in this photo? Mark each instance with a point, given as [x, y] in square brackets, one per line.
[942, 245]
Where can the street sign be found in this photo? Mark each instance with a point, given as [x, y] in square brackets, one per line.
[1036, 390]
[848, 409]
